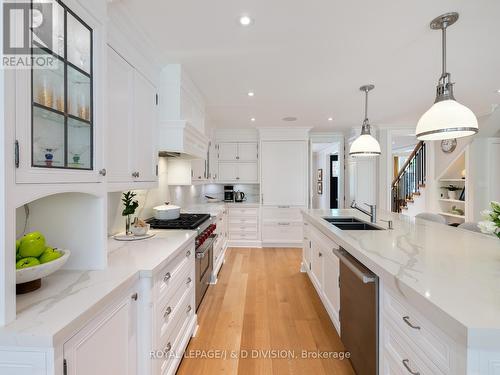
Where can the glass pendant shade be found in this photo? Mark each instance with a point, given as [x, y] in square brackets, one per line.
[365, 145]
[446, 119]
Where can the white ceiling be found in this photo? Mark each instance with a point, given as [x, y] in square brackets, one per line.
[308, 58]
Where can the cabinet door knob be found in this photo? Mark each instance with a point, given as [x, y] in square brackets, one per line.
[102, 172]
[167, 277]
[135, 174]
[189, 308]
[237, 157]
[168, 347]
[237, 178]
[188, 280]
[134, 296]
[188, 254]
[320, 254]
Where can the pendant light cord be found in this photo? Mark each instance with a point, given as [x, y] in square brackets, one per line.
[366, 105]
[443, 35]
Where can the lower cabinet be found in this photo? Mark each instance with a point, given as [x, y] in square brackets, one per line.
[243, 225]
[108, 344]
[282, 226]
[323, 268]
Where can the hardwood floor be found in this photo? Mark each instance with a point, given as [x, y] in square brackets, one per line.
[263, 305]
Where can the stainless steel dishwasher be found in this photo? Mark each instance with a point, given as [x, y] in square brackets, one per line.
[359, 313]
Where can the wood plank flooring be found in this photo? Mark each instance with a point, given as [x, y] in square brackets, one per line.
[264, 309]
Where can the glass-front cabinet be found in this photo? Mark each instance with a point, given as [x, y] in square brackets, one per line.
[58, 128]
[62, 110]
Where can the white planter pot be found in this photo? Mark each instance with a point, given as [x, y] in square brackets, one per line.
[452, 194]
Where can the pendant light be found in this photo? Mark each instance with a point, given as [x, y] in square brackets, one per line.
[365, 144]
[446, 119]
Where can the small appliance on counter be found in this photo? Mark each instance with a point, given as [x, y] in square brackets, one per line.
[228, 193]
[203, 224]
[239, 196]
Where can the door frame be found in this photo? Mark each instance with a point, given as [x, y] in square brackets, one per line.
[328, 137]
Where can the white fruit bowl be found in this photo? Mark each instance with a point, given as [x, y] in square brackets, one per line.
[25, 275]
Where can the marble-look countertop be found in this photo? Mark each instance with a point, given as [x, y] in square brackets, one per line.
[68, 299]
[215, 209]
[450, 273]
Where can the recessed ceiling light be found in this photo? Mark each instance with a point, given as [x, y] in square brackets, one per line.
[252, 119]
[251, 93]
[245, 20]
[498, 91]
[289, 119]
[330, 118]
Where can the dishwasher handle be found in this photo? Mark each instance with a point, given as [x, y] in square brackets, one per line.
[345, 257]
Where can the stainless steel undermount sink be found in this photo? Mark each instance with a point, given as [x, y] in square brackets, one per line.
[350, 223]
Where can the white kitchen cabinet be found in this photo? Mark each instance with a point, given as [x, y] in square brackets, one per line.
[284, 173]
[237, 151]
[145, 128]
[132, 124]
[317, 253]
[238, 172]
[108, 344]
[243, 225]
[331, 287]
[282, 226]
[198, 169]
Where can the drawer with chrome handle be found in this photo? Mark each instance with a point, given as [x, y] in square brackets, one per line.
[429, 339]
[406, 364]
[167, 277]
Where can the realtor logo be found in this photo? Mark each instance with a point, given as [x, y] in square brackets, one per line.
[26, 25]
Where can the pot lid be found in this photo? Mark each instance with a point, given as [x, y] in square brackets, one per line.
[166, 207]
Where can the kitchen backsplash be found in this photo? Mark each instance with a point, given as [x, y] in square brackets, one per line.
[183, 196]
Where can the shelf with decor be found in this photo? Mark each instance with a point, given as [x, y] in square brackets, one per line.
[452, 201]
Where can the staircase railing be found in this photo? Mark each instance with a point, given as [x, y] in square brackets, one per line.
[410, 178]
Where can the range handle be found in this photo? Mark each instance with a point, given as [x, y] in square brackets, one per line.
[345, 257]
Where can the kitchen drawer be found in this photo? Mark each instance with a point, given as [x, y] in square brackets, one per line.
[166, 305]
[243, 220]
[168, 276]
[243, 228]
[399, 358]
[281, 213]
[282, 231]
[167, 324]
[243, 211]
[431, 341]
[171, 343]
[243, 236]
[321, 240]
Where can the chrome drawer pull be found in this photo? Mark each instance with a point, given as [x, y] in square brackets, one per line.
[167, 312]
[407, 321]
[283, 223]
[167, 277]
[188, 280]
[189, 309]
[168, 347]
[188, 254]
[320, 254]
[406, 364]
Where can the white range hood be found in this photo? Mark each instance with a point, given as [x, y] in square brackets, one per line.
[182, 116]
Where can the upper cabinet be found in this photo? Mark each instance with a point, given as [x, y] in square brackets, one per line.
[131, 152]
[57, 113]
[238, 151]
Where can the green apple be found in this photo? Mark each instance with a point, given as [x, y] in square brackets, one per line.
[32, 245]
[18, 257]
[49, 255]
[18, 245]
[27, 262]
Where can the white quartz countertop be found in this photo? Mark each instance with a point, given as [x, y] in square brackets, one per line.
[453, 270]
[215, 209]
[68, 299]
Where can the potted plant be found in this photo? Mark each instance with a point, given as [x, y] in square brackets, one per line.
[491, 224]
[130, 206]
[452, 191]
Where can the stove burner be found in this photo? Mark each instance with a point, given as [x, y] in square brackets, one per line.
[185, 221]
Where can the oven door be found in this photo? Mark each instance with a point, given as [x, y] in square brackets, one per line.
[204, 266]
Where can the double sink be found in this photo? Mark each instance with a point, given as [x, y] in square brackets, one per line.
[350, 223]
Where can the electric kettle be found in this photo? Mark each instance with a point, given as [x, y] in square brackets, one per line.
[239, 196]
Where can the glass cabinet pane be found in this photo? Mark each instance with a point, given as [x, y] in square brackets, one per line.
[62, 106]
[79, 144]
[79, 43]
[79, 94]
[48, 138]
[48, 85]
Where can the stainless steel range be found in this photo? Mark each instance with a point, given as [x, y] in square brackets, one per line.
[205, 239]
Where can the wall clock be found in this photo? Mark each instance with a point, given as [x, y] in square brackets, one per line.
[448, 145]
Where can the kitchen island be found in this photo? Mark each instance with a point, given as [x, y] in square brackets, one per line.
[444, 278]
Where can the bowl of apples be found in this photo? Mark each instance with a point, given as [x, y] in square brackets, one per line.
[34, 260]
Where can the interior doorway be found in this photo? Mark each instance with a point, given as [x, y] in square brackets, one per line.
[326, 180]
